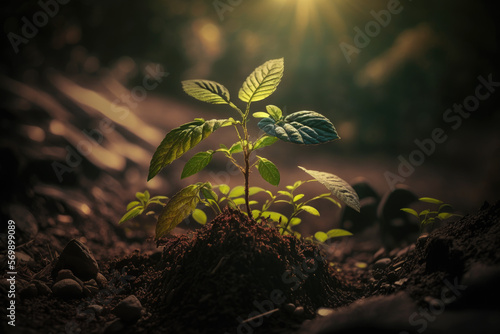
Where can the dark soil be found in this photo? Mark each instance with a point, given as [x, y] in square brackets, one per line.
[212, 279]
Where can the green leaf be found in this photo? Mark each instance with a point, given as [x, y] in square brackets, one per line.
[285, 193]
[338, 187]
[430, 200]
[275, 112]
[337, 232]
[410, 211]
[180, 140]
[209, 194]
[422, 213]
[236, 147]
[177, 209]
[321, 236]
[141, 197]
[276, 216]
[239, 201]
[237, 192]
[298, 197]
[197, 163]
[263, 81]
[255, 214]
[147, 196]
[310, 209]
[149, 213]
[131, 214]
[333, 201]
[224, 189]
[264, 141]
[260, 114]
[159, 198]
[132, 204]
[295, 221]
[445, 208]
[268, 171]
[445, 215]
[255, 190]
[302, 127]
[206, 91]
[199, 216]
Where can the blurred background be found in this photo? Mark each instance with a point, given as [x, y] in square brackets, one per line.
[89, 89]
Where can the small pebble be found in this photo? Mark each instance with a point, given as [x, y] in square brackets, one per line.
[382, 263]
[299, 311]
[129, 309]
[289, 307]
[67, 288]
[324, 311]
[379, 254]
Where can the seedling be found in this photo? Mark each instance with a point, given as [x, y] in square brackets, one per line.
[428, 216]
[136, 208]
[302, 127]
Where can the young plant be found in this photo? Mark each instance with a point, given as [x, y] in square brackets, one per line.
[302, 127]
[136, 208]
[428, 216]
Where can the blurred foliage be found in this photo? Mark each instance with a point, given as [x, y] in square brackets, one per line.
[427, 58]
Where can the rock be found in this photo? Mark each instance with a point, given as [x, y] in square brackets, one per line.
[289, 308]
[68, 274]
[91, 282]
[363, 188]
[324, 311]
[381, 264]
[299, 311]
[26, 224]
[29, 292]
[129, 309]
[102, 282]
[379, 254]
[79, 259]
[356, 222]
[67, 289]
[114, 326]
[396, 226]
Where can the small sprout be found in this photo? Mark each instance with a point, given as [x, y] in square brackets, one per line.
[429, 217]
[135, 208]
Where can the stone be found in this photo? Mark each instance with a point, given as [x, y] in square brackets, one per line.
[299, 311]
[68, 274]
[114, 326]
[379, 254]
[289, 308]
[324, 311]
[129, 309]
[102, 282]
[67, 289]
[381, 264]
[79, 259]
